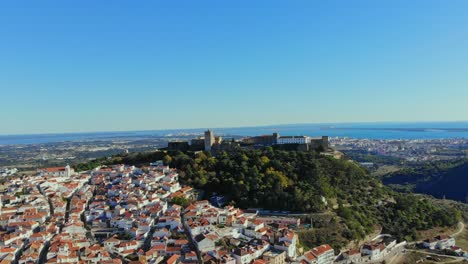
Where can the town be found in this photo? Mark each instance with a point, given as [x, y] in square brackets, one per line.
[124, 214]
[234, 132]
[128, 214]
[407, 150]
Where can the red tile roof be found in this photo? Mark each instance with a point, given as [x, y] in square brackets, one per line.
[317, 251]
[173, 259]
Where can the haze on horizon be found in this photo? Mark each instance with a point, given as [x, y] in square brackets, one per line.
[126, 66]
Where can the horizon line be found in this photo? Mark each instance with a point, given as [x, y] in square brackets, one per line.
[229, 127]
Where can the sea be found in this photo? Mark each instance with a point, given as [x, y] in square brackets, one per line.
[377, 130]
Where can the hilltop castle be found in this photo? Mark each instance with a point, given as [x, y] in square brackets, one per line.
[210, 142]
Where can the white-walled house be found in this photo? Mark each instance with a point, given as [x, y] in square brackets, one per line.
[439, 242]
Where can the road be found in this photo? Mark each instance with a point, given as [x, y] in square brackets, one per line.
[454, 259]
[189, 236]
[461, 227]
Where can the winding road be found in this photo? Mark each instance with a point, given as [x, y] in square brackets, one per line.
[454, 258]
[461, 227]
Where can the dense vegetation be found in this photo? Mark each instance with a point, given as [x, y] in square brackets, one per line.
[441, 179]
[304, 182]
[298, 181]
[410, 213]
[279, 180]
[85, 166]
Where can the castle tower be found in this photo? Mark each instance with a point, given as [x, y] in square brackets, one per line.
[325, 142]
[209, 139]
[275, 138]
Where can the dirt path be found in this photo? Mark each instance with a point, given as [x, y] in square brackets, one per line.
[397, 258]
[461, 227]
[454, 259]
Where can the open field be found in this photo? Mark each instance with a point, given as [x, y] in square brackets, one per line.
[385, 169]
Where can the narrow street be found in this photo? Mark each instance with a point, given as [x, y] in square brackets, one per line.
[51, 207]
[43, 255]
[187, 233]
[149, 237]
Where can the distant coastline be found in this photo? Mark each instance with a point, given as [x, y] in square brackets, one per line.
[417, 130]
[407, 129]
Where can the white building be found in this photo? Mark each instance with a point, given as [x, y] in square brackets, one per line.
[323, 254]
[66, 171]
[7, 172]
[288, 241]
[375, 252]
[293, 140]
[206, 242]
[439, 242]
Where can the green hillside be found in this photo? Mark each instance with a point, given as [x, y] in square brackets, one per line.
[447, 179]
[304, 182]
[297, 181]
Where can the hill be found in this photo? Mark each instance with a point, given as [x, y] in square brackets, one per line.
[441, 179]
[304, 182]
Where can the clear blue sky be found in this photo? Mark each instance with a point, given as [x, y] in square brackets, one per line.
[133, 65]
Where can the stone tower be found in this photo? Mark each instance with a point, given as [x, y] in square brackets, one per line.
[209, 139]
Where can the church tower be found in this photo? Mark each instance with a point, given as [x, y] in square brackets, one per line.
[68, 171]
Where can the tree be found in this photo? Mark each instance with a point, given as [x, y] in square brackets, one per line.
[179, 200]
[167, 160]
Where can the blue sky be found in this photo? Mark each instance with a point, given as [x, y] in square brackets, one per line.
[72, 66]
